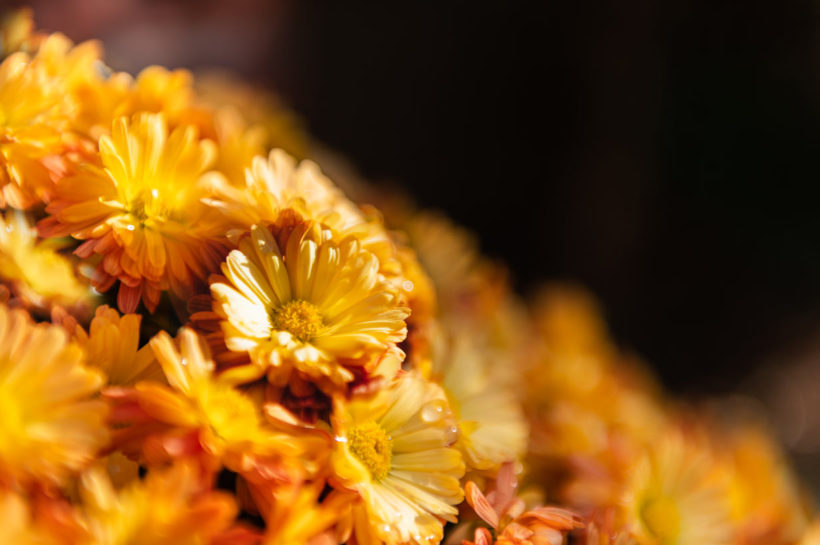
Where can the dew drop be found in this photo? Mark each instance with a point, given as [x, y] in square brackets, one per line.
[433, 411]
[451, 434]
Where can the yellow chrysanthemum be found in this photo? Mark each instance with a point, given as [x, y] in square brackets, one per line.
[394, 450]
[203, 416]
[112, 344]
[35, 273]
[319, 307]
[142, 212]
[170, 507]
[49, 424]
[674, 498]
[278, 183]
[492, 429]
[34, 109]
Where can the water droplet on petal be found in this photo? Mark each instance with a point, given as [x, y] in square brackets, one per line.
[451, 434]
[433, 411]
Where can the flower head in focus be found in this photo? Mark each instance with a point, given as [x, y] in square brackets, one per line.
[309, 305]
[142, 212]
[394, 449]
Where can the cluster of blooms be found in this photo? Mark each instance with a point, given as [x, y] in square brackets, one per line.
[203, 341]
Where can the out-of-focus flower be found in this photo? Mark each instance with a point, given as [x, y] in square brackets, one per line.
[112, 344]
[170, 507]
[766, 504]
[277, 183]
[492, 429]
[245, 121]
[675, 498]
[299, 517]
[34, 109]
[17, 32]
[142, 212]
[50, 425]
[35, 274]
[315, 306]
[394, 450]
[203, 416]
[20, 526]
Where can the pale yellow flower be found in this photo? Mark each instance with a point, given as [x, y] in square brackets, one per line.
[394, 449]
[492, 429]
[317, 307]
[673, 497]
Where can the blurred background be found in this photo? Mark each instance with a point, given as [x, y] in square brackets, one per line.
[664, 154]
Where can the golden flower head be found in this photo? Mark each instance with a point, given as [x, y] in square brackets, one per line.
[142, 212]
[394, 449]
[50, 426]
[34, 109]
[315, 306]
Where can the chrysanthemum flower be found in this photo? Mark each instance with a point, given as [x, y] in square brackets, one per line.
[674, 499]
[34, 109]
[112, 344]
[278, 183]
[492, 429]
[394, 450]
[35, 274]
[142, 212]
[315, 306]
[170, 507]
[200, 415]
[49, 424]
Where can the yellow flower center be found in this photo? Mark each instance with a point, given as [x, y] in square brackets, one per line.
[300, 318]
[661, 517]
[371, 444]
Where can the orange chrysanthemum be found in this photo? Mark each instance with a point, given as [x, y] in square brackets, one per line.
[142, 211]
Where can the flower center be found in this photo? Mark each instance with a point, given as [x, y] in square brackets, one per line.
[662, 518]
[371, 444]
[300, 318]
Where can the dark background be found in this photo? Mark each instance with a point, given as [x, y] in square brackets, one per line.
[664, 154]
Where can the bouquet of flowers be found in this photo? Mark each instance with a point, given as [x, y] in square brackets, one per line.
[205, 340]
